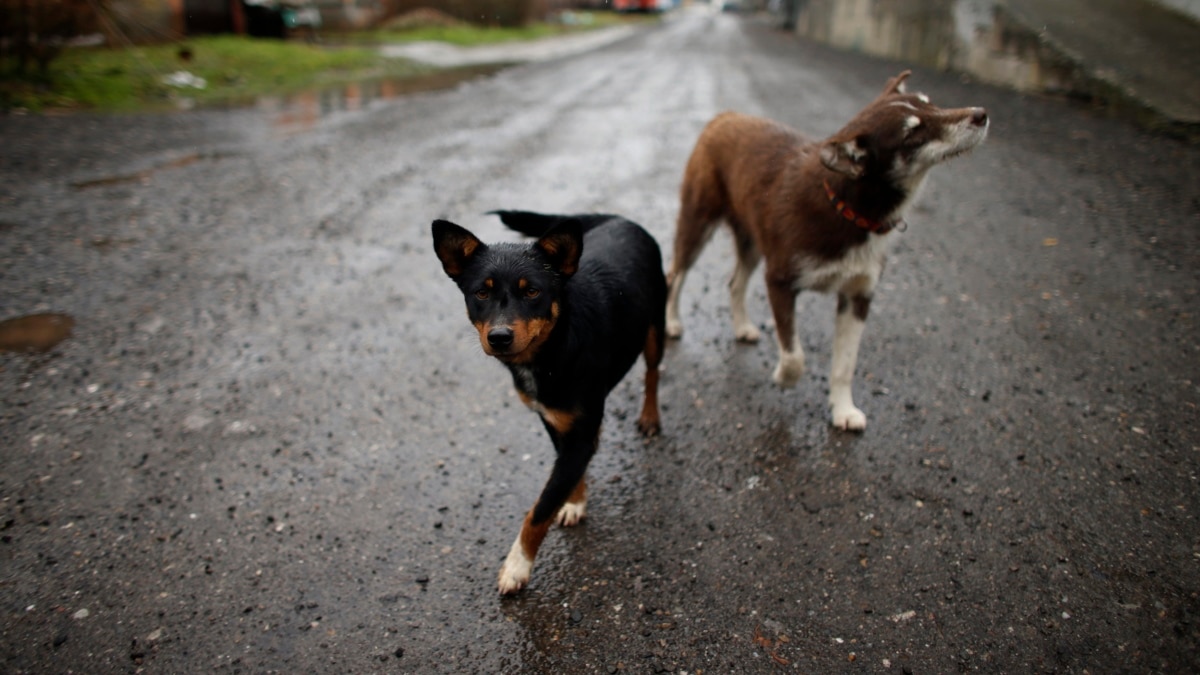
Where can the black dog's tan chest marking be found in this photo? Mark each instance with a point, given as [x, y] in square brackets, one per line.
[526, 384]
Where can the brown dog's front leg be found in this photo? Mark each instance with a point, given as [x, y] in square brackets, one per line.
[848, 329]
[781, 292]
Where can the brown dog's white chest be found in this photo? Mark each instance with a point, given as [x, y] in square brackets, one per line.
[856, 270]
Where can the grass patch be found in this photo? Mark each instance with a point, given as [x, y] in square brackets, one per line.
[236, 68]
[233, 68]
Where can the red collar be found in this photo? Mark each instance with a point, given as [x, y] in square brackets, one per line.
[843, 209]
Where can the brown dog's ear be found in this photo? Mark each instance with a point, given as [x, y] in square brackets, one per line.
[844, 157]
[454, 246]
[563, 245]
[895, 85]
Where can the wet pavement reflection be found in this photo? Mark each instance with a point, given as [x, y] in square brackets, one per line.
[302, 111]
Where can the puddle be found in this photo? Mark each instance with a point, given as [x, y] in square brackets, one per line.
[35, 332]
[300, 112]
[296, 113]
[971, 36]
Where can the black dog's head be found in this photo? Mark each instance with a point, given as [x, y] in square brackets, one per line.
[513, 291]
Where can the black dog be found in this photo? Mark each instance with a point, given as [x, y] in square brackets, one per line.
[568, 314]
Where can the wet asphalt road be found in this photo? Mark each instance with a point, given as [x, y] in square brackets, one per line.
[273, 444]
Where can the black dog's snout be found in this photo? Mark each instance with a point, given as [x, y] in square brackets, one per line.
[500, 338]
[979, 117]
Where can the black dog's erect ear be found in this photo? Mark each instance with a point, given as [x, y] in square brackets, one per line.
[454, 246]
[563, 245]
[845, 157]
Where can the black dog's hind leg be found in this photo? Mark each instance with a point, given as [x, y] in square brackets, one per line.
[648, 422]
[562, 500]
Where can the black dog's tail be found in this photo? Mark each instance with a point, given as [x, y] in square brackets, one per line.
[537, 224]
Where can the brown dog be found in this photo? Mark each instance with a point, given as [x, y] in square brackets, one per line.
[818, 211]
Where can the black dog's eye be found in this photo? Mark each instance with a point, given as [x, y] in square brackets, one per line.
[532, 293]
[482, 294]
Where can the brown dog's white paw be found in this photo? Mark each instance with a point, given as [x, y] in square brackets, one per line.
[788, 370]
[747, 332]
[674, 328]
[849, 418]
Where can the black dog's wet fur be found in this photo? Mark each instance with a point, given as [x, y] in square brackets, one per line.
[597, 282]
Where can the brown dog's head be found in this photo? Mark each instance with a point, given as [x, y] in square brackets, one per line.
[898, 137]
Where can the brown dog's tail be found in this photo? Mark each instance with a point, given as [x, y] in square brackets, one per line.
[537, 224]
